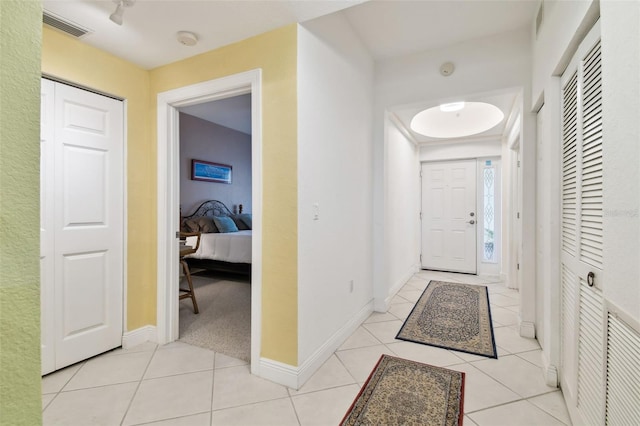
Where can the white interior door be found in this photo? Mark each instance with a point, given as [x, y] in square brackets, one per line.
[449, 216]
[47, 130]
[542, 196]
[582, 310]
[83, 283]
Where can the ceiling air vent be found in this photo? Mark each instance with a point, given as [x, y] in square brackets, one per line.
[64, 25]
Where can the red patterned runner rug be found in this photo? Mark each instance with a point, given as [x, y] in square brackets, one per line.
[403, 392]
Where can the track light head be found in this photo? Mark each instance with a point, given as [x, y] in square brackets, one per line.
[118, 15]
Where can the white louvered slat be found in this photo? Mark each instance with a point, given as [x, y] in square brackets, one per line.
[591, 355]
[623, 374]
[569, 164]
[591, 187]
[568, 323]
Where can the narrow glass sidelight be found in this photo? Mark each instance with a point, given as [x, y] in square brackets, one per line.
[489, 182]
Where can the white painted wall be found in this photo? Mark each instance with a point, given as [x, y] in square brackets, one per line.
[402, 243]
[461, 150]
[496, 63]
[510, 206]
[564, 25]
[203, 140]
[548, 286]
[621, 154]
[335, 81]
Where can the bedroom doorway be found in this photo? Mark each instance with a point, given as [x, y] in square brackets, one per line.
[169, 104]
[216, 136]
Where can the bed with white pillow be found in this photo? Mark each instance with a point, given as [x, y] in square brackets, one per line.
[225, 238]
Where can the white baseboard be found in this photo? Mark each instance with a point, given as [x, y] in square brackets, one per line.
[549, 371]
[295, 377]
[278, 372]
[382, 305]
[148, 333]
[528, 329]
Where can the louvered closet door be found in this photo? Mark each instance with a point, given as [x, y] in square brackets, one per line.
[583, 314]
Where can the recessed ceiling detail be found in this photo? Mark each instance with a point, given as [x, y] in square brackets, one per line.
[456, 120]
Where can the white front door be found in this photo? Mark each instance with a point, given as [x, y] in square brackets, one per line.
[82, 276]
[449, 216]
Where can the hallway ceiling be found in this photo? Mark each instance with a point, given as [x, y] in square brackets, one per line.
[147, 36]
[388, 29]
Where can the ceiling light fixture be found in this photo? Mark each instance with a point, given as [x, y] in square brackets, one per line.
[453, 106]
[119, 12]
[456, 120]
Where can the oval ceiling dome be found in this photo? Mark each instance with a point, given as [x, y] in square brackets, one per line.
[456, 120]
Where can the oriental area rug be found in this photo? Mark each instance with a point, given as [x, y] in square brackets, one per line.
[403, 392]
[452, 316]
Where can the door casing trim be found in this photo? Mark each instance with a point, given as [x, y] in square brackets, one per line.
[169, 197]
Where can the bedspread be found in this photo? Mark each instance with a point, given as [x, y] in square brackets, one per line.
[234, 247]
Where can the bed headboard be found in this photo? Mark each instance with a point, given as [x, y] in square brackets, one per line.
[210, 208]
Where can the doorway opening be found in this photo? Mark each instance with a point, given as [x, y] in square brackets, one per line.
[216, 138]
[169, 105]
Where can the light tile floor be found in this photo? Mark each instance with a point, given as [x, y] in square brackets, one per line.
[178, 384]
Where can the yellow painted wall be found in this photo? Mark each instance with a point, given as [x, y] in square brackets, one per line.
[69, 59]
[20, 393]
[275, 53]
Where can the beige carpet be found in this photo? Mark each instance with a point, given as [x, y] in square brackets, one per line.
[224, 322]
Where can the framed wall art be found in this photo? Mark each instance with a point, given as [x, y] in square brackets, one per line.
[210, 172]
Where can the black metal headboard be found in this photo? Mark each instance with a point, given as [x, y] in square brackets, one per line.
[210, 208]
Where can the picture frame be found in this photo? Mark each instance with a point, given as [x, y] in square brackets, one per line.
[207, 171]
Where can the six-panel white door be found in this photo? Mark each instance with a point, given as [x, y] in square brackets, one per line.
[83, 222]
[449, 216]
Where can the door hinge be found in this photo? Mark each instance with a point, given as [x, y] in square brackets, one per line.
[420, 258]
[518, 266]
[420, 215]
[518, 163]
[177, 234]
[518, 215]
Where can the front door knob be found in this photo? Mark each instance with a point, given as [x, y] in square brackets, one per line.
[472, 221]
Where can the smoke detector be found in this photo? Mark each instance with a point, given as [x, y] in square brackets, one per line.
[187, 38]
[447, 69]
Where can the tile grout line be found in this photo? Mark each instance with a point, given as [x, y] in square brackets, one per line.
[126, 412]
[168, 418]
[62, 387]
[508, 387]
[293, 405]
[527, 399]
[213, 383]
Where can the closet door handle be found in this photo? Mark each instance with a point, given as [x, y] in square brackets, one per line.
[591, 279]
